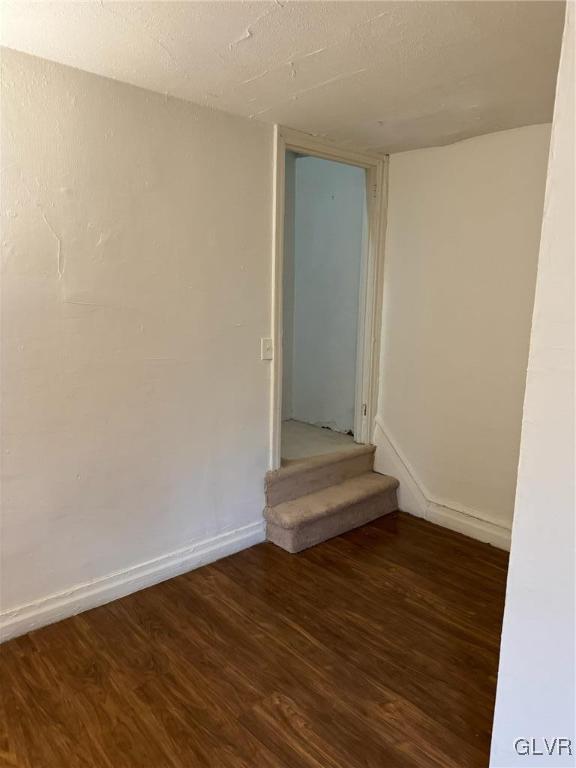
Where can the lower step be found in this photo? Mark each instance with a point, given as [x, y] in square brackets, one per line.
[301, 523]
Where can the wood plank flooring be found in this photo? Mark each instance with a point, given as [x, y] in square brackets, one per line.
[375, 649]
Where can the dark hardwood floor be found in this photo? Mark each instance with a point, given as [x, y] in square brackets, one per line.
[374, 649]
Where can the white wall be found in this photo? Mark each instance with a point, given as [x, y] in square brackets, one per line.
[328, 238]
[137, 241]
[461, 252]
[536, 696]
[288, 286]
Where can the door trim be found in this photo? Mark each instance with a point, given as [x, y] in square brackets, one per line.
[370, 317]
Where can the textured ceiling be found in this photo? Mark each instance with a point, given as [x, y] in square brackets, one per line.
[381, 75]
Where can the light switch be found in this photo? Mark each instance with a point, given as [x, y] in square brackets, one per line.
[266, 349]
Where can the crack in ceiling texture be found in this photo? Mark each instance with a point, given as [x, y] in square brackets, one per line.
[384, 76]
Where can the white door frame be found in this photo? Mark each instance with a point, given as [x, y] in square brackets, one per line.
[370, 315]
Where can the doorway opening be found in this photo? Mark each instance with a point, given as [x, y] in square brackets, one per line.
[327, 297]
[325, 237]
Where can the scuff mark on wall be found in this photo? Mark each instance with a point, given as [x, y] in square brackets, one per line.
[312, 53]
[330, 80]
[249, 32]
[256, 77]
[55, 235]
[315, 52]
[254, 115]
[246, 36]
[298, 94]
[59, 259]
[103, 238]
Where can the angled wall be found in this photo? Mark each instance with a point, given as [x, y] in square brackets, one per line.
[535, 698]
[461, 252]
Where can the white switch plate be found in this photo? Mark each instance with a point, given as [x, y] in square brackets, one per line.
[266, 349]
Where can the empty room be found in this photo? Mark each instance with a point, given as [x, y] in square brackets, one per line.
[287, 384]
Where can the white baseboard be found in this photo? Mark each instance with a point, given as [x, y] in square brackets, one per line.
[475, 527]
[82, 597]
[415, 499]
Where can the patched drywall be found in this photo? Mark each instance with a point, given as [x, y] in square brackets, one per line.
[535, 698]
[135, 290]
[322, 290]
[461, 252]
[382, 75]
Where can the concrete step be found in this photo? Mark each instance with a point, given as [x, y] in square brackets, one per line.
[303, 522]
[301, 477]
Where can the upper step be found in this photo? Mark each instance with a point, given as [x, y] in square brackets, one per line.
[330, 501]
[301, 477]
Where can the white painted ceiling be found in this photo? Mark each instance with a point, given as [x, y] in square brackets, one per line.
[381, 75]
